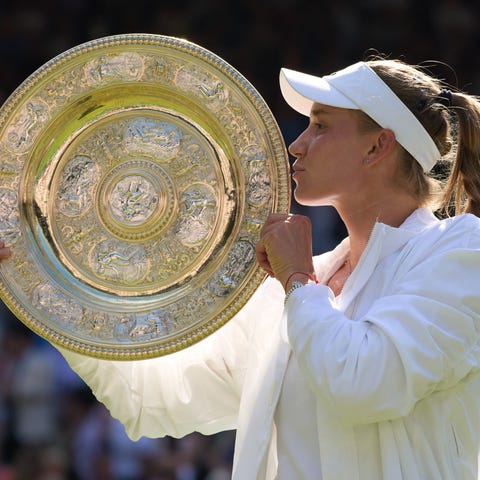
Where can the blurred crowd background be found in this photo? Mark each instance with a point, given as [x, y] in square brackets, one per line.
[51, 427]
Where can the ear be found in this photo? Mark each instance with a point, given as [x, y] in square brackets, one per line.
[383, 144]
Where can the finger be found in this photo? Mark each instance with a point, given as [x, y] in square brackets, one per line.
[262, 258]
[275, 218]
[5, 252]
[274, 223]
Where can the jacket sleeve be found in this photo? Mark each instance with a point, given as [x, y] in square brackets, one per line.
[195, 389]
[422, 338]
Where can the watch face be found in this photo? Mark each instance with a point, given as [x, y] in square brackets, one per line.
[293, 286]
[136, 173]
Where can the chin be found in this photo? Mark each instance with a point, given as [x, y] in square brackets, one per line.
[309, 201]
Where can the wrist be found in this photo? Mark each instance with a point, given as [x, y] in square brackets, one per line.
[299, 277]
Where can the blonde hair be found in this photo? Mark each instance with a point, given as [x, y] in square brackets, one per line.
[452, 119]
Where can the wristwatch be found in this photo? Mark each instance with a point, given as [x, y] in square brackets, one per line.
[293, 286]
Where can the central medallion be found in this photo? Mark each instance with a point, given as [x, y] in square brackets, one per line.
[133, 200]
[137, 200]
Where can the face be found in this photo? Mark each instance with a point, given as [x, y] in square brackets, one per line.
[329, 155]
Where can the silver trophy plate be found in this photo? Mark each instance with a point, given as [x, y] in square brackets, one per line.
[135, 174]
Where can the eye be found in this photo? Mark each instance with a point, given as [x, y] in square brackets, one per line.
[317, 124]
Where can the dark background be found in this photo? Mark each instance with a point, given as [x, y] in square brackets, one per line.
[50, 426]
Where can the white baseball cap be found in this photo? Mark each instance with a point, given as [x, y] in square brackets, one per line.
[358, 87]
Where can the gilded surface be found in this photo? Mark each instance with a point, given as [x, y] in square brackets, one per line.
[135, 174]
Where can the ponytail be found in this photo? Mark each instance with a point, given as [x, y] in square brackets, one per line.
[453, 121]
[462, 190]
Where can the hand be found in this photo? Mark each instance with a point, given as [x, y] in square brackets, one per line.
[285, 246]
[5, 252]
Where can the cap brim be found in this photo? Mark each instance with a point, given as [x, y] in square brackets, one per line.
[301, 91]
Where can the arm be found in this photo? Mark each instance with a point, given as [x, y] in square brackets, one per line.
[419, 339]
[173, 395]
[195, 389]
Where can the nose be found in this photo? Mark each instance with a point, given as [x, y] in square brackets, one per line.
[297, 147]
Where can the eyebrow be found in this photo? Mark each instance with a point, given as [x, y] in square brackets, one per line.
[318, 111]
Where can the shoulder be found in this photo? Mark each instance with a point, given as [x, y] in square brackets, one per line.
[462, 231]
[467, 222]
[447, 249]
[438, 248]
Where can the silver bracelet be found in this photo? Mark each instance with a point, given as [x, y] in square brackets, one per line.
[295, 284]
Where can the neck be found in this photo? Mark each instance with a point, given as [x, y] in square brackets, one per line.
[359, 221]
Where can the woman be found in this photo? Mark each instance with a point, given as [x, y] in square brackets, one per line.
[364, 362]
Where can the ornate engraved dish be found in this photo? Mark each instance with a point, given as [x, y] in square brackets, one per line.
[135, 174]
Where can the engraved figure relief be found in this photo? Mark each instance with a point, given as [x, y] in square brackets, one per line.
[133, 200]
[21, 133]
[118, 262]
[192, 159]
[241, 258]
[74, 196]
[124, 326]
[125, 66]
[202, 84]
[197, 214]
[158, 138]
[9, 228]
[45, 297]
[152, 324]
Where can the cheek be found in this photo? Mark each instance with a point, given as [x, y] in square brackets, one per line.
[349, 151]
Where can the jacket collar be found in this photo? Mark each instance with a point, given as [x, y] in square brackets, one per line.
[383, 241]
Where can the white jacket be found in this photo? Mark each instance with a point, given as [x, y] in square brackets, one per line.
[394, 363]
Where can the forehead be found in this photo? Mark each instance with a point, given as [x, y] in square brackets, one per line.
[319, 109]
